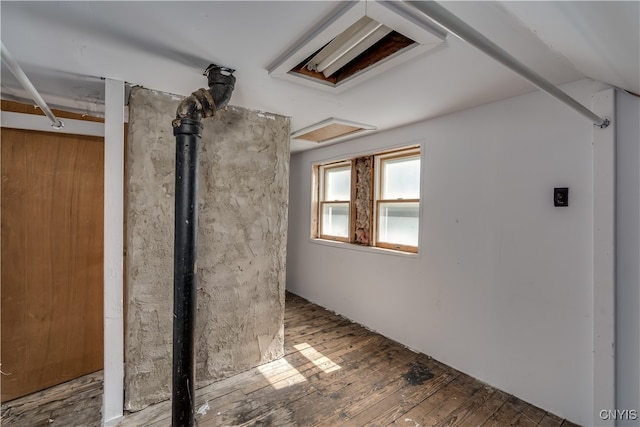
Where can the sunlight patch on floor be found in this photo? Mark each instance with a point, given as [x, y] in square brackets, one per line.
[287, 382]
[318, 359]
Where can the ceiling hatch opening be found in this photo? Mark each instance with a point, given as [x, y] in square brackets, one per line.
[361, 46]
[331, 130]
[361, 40]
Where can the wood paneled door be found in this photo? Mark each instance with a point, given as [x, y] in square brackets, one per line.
[52, 259]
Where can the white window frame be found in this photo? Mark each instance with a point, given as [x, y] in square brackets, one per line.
[322, 169]
[379, 159]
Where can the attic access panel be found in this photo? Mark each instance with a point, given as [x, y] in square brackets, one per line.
[331, 130]
[360, 40]
[362, 45]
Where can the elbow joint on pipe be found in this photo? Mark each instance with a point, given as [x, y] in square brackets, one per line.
[204, 103]
[196, 106]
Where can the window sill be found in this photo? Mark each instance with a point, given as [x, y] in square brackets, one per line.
[370, 249]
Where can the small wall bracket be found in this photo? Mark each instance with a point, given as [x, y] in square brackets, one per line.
[604, 124]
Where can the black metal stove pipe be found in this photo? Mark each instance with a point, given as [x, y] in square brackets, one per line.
[187, 128]
[184, 280]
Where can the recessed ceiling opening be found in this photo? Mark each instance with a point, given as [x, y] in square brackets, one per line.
[360, 40]
[362, 45]
[331, 130]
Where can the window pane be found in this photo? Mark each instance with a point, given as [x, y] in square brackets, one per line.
[398, 223]
[337, 184]
[401, 178]
[335, 219]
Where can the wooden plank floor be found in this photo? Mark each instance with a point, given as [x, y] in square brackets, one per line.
[74, 403]
[337, 373]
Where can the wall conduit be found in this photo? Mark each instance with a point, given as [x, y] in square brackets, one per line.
[22, 78]
[454, 25]
[187, 128]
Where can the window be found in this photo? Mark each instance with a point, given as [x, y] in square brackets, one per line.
[335, 198]
[398, 200]
[370, 200]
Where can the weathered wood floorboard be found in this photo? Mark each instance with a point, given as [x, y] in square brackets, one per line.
[74, 403]
[334, 373]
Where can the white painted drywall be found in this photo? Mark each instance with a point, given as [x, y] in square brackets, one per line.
[628, 255]
[502, 288]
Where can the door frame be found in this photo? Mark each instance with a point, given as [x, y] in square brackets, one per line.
[113, 274]
[113, 394]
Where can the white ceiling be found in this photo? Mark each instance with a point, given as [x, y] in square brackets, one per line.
[66, 47]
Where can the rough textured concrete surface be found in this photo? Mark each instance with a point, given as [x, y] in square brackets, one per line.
[242, 234]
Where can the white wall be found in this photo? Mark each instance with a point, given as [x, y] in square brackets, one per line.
[502, 286]
[627, 254]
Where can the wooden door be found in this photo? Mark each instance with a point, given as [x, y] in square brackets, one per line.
[52, 258]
